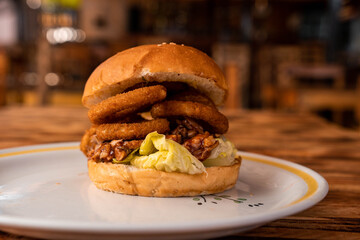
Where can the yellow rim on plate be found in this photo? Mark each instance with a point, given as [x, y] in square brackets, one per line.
[308, 179]
[38, 150]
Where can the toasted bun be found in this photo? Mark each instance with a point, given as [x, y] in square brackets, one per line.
[131, 180]
[156, 63]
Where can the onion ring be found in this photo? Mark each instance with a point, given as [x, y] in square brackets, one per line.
[124, 104]
[210, 115]
[193, 96]
[130, 131]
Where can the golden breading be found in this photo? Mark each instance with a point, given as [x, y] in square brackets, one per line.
[210, 115]
[129, 131]
[125, 104]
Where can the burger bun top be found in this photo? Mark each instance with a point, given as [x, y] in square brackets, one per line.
[156, 63]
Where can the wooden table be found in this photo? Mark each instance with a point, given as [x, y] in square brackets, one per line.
[329, 150]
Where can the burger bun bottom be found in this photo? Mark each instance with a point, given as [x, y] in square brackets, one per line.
[127, 179]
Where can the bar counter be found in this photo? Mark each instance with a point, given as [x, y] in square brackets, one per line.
[330, 150]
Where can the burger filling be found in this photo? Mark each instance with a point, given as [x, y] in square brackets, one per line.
[188, 133]
[189, 146]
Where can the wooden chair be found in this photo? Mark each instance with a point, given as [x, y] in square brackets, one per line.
[335, 97]
[234, 59]
[268, 59]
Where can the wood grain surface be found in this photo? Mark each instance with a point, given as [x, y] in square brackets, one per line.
[305, 139]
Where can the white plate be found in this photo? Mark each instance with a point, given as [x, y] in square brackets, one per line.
[45, 192]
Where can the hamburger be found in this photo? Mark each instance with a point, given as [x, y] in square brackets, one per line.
[155, 129]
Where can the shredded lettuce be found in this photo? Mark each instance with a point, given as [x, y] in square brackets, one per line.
[157, 152]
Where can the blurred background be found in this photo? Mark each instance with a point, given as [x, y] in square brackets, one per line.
[282, 55]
